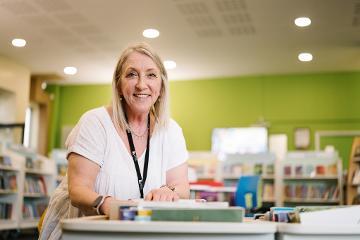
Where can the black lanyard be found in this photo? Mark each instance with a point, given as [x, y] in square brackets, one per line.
[141, 180]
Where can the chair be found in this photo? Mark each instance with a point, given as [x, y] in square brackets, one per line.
[248, 192]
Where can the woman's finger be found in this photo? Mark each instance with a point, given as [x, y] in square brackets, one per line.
[149, 196]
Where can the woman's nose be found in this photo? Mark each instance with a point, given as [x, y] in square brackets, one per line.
[141, 82]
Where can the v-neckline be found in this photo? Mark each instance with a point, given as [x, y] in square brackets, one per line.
[142, 156]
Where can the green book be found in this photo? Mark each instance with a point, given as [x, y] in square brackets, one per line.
[230, 214]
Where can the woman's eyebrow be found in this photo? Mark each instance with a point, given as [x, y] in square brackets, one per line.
[130, 68]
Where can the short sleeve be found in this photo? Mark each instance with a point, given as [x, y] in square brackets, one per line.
[176, 146]
[88, 138]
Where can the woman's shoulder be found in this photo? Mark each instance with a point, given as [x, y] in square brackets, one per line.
[173, 124]
[94, 114]
[172, 127]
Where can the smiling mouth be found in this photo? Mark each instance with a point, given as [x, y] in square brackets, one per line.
[141, 95]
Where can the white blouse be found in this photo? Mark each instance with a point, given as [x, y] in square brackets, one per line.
[96, 138]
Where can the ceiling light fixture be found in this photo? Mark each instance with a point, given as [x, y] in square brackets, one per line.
[18, 42]
[70, 70]
[169, 64]
[305, 57]
[151, 33]
[302, 21]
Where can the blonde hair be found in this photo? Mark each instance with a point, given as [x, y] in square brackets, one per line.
[160, 108]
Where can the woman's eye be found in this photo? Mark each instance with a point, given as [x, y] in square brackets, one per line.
[131, 75]
[152, 75]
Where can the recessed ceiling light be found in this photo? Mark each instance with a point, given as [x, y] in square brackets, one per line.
[70, 70]
[302, 21]
[169, 64]
[305, 57]
[151, 33]
[18, 42]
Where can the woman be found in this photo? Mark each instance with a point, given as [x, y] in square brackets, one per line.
[128, 150]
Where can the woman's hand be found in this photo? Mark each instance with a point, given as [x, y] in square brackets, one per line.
[162, 194]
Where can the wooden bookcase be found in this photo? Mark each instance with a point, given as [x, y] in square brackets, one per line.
[353, 181]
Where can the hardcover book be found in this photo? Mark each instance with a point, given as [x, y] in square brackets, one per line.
[230, 214]
[116, 205]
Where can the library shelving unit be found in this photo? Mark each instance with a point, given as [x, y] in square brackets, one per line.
[204, 164]
[10, 197]
[34, 180]
[204, 176]
[312, 178]
[59, 156]
[353, 181]
[263, 164]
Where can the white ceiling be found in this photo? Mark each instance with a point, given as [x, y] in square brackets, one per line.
[206, 38]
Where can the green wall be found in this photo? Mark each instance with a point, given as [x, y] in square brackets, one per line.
[70, 102]
[322, 101]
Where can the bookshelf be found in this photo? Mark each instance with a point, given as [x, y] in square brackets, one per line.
[353, 180]
[38, 184]
[263, 164]
[204, 164]
[59, 156]
[312, 178]
[9, 195]
[30, 181]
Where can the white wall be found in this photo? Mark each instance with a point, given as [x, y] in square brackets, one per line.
[14, 78]
[7, 109]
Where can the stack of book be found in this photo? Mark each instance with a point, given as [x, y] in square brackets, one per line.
[182, 210]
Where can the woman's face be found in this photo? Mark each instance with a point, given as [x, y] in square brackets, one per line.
[140, 83]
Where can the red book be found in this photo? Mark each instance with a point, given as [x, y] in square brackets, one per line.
[320, 170]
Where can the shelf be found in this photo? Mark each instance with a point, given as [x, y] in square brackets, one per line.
[207, 188]
[8, 191]
[302, 200]
[205, 177]
[29, 223]
[230, 177]
[235, 177]
[312, 178]
[267, 177]
[36, 171]
[35, 195]
[6, 224]
[8, 168]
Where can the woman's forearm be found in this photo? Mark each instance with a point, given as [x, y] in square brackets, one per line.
[83, 198]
